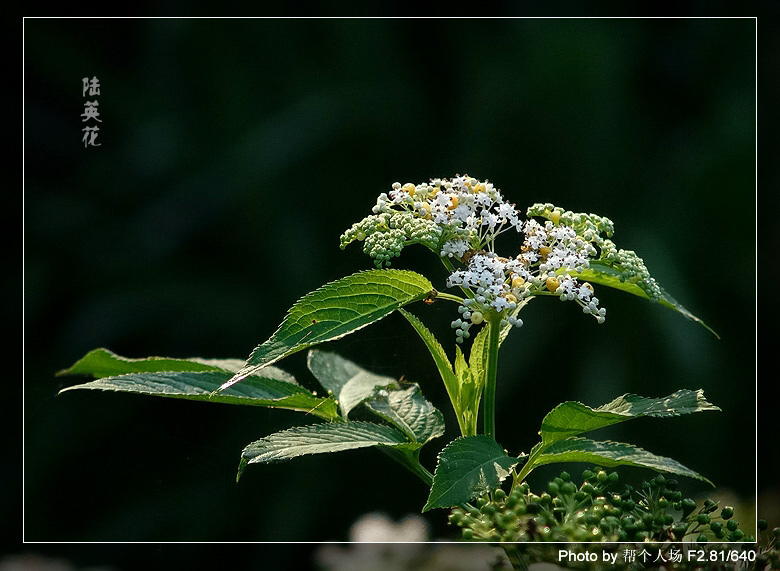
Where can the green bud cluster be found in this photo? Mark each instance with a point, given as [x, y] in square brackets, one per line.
[589, 227]
[633, 270]
[385, 235]
[595, 511]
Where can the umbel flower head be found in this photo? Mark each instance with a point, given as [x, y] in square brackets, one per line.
[460, 218]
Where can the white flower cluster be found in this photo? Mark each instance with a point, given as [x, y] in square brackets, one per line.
[550, 253]
[494, 282]
[590, 228]
[460, 218]
[552, 250]
[470, 212]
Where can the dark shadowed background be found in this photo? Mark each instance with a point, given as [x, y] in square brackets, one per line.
[232, 155]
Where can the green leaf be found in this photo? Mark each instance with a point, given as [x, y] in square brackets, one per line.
[572, 418]
[437, 352]
[103, 363]
[468, 467]
[335, 310]
[478, 357]
[349, 383]
[270, 389]
[579, 449]
[470, 382]
[604, 274]
[409, 411]
[318, 439]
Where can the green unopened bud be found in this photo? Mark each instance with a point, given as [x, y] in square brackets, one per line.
[553, 488]
[565, 476]
[588, 488]
[688, 505]
[490, 509]
[673, 496]
[727, 512]
[716, 526]
[703, 519]
[731, 525]
[568, 488]
[762, 524]
[736, 535]
[587, 474]
[679, 530]
[508, 519]
[701, 538]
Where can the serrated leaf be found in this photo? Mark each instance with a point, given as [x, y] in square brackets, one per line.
[335, 310]
[603, 274]
[468, 467]
[572, 418]
[104, 363]
[409, 411]
[263, 390]
[349, 383]
[610, 454]
[319, 439]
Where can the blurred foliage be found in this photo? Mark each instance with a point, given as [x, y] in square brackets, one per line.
[233, 154]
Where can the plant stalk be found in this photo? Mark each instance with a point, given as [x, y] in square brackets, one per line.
[411, 462]
[489, 395]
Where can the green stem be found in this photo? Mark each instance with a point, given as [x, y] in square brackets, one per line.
[489, 396]
[411, 462]
[529, 465]
[448, 296]
[450, 268]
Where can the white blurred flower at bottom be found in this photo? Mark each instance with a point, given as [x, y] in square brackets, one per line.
[380, 544]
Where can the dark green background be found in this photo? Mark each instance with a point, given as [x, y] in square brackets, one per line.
[233, 154]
